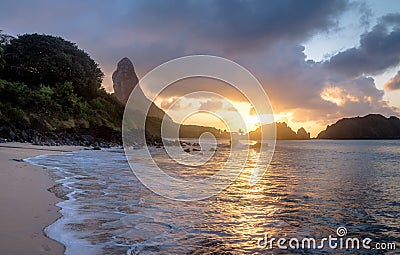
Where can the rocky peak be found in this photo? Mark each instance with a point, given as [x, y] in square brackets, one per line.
[302, 134]
[124, 79]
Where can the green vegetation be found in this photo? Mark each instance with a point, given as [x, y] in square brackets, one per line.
[49, 78]
[59, 106]
[47, 60]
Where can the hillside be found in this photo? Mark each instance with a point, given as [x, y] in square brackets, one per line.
[372, 126]
[50, 94]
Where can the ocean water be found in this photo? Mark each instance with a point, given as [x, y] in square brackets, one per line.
[310, 189]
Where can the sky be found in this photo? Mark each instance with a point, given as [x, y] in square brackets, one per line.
[318, 61]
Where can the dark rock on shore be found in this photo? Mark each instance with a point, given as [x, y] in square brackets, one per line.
[96, 137]
[372, 126]
[59, 191]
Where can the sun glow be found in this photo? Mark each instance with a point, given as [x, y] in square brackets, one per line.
[284, 117]
[186, 108]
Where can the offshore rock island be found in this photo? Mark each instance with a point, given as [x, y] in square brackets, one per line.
[372, 126]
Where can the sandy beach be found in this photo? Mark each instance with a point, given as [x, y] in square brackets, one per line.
[27, 207]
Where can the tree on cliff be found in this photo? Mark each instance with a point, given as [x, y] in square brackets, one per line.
[4, 39]
[47, 60]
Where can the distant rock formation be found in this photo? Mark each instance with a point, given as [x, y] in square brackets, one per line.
[372, 126]
[302, 134]
[283, 132]
[124, 80]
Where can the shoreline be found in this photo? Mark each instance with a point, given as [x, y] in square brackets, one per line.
[28, 206]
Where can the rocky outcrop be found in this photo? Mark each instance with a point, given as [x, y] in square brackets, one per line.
[24, 132]
[372, 126]
[302, 134]
[124, 79]
[283, 132]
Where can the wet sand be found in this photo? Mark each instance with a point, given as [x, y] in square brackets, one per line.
[27, 207]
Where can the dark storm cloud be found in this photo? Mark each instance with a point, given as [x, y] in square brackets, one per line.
[234, 24]
[152, 32]
[391, 19]
[379, 50]
[155, 31]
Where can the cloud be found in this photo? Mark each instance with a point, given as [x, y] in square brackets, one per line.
[311, 91]
[211, 105]
[337, 95]
[234, 24]
[192, 87]
[152, 32]
[357, 96]
[294, 84]
[393, 83]
[379, 50]
[365, 12]
[171, 103]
